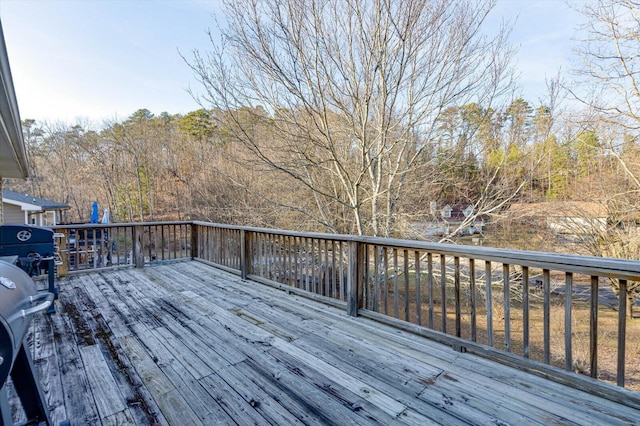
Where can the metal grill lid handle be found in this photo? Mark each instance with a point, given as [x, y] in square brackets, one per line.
[24, 313]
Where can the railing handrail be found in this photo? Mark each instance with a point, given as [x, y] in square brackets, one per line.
[578, 264]
[119, 225]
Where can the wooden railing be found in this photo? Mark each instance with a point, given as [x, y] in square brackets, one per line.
[530, 308]
[553, 314]
[96, 246]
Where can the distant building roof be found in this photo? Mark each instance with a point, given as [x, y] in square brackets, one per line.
[455, 213]
[19, 198]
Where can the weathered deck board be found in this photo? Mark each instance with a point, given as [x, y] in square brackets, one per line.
[102, 384]
[78, 405]
[185, 344]
[404, 376]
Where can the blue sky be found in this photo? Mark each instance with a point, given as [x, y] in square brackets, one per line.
[544, 32]
[102, 60]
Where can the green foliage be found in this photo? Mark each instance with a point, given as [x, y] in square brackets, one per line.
[199, 125]
[519, 115]
[139, 116]
[496, 159]
[555, 168]
[585, 148]
[518, 109]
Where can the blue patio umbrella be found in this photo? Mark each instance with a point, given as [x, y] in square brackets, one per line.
[94, 212]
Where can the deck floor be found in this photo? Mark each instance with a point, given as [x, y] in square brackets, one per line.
[186, 344]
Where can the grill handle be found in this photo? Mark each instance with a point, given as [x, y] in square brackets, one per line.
[24, 313]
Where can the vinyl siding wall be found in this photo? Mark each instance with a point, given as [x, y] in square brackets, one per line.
[12, 215]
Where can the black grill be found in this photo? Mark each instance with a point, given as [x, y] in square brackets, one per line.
[19, 302]
[31, 248]
[25, 251]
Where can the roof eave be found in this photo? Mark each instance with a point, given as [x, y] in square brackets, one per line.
[13, 158]
[23, 206]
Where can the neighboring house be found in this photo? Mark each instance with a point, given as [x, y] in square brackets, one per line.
[563, 218]
[444, 219]
[13, 159]
[24, 209]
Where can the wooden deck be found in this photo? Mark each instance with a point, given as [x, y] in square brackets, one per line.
[186, 344]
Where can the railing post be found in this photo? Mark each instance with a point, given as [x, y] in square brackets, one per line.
[138, 255]
[194, 241]
[245, 253]
[62, 241]
[354, 277]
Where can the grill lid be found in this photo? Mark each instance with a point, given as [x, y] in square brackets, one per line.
[24, 234]
[19, 301]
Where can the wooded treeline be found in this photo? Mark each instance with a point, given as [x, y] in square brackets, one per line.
[354, 117]
[159, 167]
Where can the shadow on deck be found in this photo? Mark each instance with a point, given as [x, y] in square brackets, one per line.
[186, 344]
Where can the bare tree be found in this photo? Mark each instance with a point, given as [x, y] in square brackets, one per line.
[611, 68]
[350, 93]
[610, 62]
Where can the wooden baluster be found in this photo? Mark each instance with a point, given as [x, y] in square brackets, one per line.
[325, 288]
[472, 291]
[593, 328]
[525, 312]
[430, 287]
[385, 265]
[443, 291]
[546, 319]
[568, 291]
[334, 283]
[418, 293]
[507, 307]
[376, 278]
[396, 307]
[342, 283]
[355, 275]
[489, 302]
[244, 253]
[622, 331]
[456, 284]
[366, 279]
